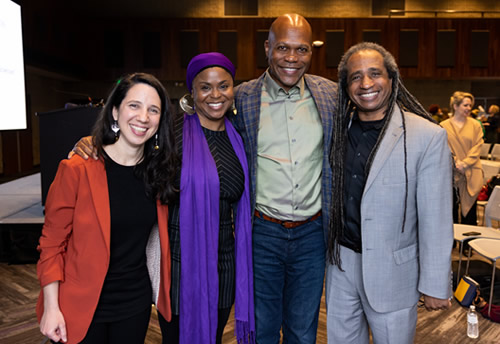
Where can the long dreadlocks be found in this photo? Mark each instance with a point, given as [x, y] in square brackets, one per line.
[345, 107]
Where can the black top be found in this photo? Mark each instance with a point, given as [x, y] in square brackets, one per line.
[491, 128]
[362, 136]
[231, 180]
[127, 288]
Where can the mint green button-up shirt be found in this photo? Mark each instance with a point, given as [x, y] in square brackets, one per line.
[289, 153]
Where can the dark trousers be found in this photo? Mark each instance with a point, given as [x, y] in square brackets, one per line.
[131, 330]
[170, 330]
[470, 218]
[289, 270]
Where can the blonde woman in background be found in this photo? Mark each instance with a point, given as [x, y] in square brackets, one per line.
[465, 137]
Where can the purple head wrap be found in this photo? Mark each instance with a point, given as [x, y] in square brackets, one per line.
[202, 61]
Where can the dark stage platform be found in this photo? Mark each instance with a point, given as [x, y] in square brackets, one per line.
[21, 219]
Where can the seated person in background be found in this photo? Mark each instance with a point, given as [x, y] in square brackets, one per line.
[98, 218]
[436, 112]
[492, 124]
[446, 114]
[476, 115]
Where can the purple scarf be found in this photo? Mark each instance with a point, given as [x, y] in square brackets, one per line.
[199, 237]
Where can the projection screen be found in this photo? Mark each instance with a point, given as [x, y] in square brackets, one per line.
[12, 94]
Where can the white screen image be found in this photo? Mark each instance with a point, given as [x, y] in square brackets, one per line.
[12, 97]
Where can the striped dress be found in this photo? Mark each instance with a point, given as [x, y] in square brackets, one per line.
[231, 180]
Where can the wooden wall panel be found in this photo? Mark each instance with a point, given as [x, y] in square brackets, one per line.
[382, 7]
[408, 48]
[251, 32]
[479, 40]
[189, 45]
[374, 36]
[334, 46]
[260, 51]
[10, 152]
[227, 44]
[151, 50]
[446, 48]
[114, 53]
[241, 7]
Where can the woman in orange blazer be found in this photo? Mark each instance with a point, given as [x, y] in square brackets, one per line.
[98, 219]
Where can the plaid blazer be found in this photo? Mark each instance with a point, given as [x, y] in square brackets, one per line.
[247, 101]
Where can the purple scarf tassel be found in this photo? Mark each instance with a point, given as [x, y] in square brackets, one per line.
[199, 234]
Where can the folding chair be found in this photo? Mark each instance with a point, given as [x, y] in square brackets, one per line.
[492, 209]
[489, 249]
[495, 152]
[485, 150]
[466, 233]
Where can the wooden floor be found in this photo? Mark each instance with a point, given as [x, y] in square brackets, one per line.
[18, 325]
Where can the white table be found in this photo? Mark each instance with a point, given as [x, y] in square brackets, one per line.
[490, 168]
[458, 235]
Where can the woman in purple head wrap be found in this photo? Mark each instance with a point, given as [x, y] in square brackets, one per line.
[210, 224]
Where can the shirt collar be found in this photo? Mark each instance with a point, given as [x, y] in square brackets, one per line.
[367, 125]
[274, 89]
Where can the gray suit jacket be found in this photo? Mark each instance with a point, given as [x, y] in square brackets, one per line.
[399, 265]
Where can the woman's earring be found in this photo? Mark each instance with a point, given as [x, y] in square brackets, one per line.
[156, 142]
[233, 107]
[187, 104]
[115, 128]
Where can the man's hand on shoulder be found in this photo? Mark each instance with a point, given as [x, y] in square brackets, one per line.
[435, 304]
[84, 148]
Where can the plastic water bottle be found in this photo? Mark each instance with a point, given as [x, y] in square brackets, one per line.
[472, 323]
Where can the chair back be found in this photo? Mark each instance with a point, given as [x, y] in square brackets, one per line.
[495, 152]
[492, 210]
[485, 150]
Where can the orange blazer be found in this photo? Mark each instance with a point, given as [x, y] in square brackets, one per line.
[74, 246]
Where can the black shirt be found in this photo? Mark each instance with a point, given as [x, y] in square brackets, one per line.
[127, 288]
[362, 136]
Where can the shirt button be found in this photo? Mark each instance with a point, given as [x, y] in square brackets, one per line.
[350, 198]
[359, 154]
[293, 140]
[296, 162]
[291, 117]
[354, 176]
[296, 186]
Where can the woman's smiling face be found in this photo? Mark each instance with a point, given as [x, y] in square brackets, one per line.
[138, 115]
[213, 95]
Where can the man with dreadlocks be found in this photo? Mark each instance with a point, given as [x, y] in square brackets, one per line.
[391, 228]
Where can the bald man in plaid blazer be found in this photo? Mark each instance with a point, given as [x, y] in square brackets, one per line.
[285, 118]
[247, 101]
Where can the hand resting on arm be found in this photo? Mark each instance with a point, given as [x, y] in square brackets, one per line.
[84, 148]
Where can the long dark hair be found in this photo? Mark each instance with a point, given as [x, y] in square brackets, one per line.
[158, 166]
[401, 97]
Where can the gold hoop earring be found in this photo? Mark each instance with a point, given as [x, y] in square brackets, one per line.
[187, 104]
